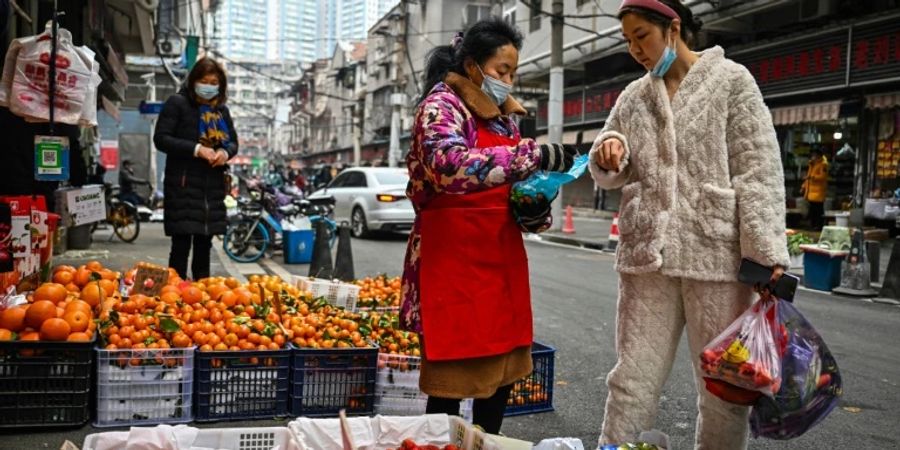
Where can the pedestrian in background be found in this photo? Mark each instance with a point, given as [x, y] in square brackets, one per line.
[815, 188]
[694, 150]
[196, 133]
[465, 279]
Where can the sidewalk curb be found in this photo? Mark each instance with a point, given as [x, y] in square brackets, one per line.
[572, 241]
[230, 266]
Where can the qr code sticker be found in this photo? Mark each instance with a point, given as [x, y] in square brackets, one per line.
[49, 157]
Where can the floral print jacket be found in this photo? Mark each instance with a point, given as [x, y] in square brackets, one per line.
[443, 159]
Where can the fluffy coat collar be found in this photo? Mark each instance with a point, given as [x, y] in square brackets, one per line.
[478, 102]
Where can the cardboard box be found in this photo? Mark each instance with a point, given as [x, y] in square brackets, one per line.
[80, 206]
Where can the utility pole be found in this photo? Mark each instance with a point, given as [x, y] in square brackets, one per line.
[555, 105]
[151, 94]
[397, 101]
[357, 134]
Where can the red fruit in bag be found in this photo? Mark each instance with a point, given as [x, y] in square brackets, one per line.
[747, 370]
[762, 378]
[709, 356]
[824, 380]
[731, 393]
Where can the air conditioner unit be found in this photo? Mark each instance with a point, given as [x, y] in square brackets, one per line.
[170, 46]
[814, 9]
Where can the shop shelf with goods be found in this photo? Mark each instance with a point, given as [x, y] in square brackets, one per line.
[45, 384]
[244, 384]
[257, 438]
[144, 386]
[325, 381]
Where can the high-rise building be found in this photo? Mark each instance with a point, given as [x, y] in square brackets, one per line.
[269, 30]
[357, 16]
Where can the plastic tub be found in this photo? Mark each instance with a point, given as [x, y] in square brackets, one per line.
[298, 246]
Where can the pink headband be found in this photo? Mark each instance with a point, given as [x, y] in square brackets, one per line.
[653, 5]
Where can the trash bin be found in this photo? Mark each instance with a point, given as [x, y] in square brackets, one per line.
[298, 246]
[80, 237]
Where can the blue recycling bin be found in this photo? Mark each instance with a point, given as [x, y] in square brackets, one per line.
[298, 246]
[822, 268]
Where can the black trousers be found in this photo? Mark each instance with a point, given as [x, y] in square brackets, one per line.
[486, 413]
[181, 247]
[816, 215]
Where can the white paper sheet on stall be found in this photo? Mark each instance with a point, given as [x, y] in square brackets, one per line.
[325, 434]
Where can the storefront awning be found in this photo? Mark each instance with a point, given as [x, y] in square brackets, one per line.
[883, 101]
[809, 113]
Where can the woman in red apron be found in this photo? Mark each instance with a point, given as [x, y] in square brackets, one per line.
[465, 281]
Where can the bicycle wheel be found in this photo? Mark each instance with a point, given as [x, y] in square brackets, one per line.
[246, 243]
[126, 223]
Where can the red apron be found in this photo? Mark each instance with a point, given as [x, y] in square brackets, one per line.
[473, 280]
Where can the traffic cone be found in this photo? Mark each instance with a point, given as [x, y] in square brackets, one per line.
[343, 261]
[613, 242]
[569, 225]
[321, 261]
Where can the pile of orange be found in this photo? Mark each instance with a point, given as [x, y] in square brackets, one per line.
[384, 330]
[213, 314]
[527, 390]
[61, 312]
[379, 292]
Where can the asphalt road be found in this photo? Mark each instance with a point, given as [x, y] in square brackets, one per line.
[574, 297]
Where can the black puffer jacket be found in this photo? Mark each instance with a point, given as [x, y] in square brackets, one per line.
[194, 190]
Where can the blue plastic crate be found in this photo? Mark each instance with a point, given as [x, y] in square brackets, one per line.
[325, 381]
[246, 384]
[534, 393]
[298, 246]
[821, 271]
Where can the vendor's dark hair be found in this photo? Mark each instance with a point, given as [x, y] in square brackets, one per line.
[690, 26]
[479, 42]
[202, 68]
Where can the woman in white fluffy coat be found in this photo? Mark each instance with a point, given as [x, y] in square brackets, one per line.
[693, 148]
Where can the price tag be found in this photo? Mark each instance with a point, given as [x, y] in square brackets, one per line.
[51, 158]
[150, 280]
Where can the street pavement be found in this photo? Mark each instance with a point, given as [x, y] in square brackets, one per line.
[574, 298]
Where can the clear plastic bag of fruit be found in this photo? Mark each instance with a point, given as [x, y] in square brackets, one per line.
[746, 356]
[811, 383]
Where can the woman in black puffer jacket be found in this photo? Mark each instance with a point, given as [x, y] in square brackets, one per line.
[196, 133]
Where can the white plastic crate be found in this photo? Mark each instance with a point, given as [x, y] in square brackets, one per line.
[264, 438]
[269, 438]
[144, 387]
[398, 373]
[339, 294]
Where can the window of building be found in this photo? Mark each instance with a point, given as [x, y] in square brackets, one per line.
[476, 12]
[535, 16]
[581, 3]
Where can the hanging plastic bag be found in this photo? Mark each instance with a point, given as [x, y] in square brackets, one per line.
[530, 199]
[811, 383]
[746, 356]
[28, 96]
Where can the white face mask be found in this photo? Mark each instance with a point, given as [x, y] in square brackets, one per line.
[494, 88]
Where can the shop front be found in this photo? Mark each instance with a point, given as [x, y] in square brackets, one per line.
[826, 94]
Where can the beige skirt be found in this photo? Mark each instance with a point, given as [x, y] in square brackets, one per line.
[474, 377]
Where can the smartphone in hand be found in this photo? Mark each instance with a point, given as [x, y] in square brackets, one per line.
[754, 273]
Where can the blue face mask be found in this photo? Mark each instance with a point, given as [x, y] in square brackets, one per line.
[494, 88]
[206, 91]
[665, 62]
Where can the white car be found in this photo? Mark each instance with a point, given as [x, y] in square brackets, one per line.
[370, 199]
